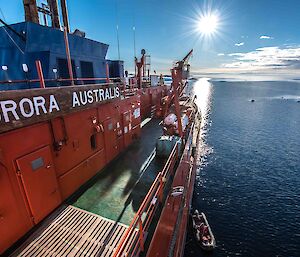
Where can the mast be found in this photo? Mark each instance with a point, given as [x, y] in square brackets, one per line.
[54, 13]
[64, 11]
[31, 11]
[51, 8]
[117, 21]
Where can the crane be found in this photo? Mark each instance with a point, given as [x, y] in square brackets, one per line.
[180, 73]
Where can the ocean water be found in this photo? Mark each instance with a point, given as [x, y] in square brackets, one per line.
[248, 183]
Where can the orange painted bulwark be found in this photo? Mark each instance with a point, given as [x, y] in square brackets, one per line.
[43, 164]
[80, 174]
[16, 215]
[167, 223]
[171, 228]
[151, 96]
[75, 140]
[14, 221]
[38, 181]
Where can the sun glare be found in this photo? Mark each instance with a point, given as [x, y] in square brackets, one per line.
[208, 24]
[205, 24]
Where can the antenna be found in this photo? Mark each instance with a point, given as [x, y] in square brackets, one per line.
[134, 42]
[134, 48]
[117, 21]
[133, 28]
[118, 42]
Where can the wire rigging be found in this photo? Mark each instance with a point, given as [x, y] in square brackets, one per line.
[134, 28]
[11, 29]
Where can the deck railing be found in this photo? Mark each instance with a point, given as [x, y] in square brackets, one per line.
[104, 80]
[132, 243]
[126, 90]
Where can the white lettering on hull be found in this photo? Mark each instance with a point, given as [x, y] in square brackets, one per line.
[53, 104]
[75, 100]
[12, 110]
[30, 108]
[94, 96]
[27, 108]
[39, 102]
[9, 106]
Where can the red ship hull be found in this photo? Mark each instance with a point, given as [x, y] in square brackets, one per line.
[62, 154]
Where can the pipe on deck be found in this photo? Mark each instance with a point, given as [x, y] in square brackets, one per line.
[68, 56]
[64, 11]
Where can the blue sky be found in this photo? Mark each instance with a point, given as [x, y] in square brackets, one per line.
[261, 35]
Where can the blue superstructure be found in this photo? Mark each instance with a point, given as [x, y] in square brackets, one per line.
[47, 45]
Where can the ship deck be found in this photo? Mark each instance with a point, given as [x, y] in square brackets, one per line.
[120, 188]
[95, 222]
[75, 232]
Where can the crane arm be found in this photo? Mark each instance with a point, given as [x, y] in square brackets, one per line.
[186, 58]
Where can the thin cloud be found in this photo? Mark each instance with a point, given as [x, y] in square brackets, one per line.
[265, 37]
[266, 58]
[221, 54]
[239, 44]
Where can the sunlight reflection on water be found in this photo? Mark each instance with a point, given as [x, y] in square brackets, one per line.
[252, 176]
[203, 90]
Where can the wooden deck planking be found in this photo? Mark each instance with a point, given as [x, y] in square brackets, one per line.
[75, 233]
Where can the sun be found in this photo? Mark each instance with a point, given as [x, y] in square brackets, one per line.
[205, 24]
[208, 24]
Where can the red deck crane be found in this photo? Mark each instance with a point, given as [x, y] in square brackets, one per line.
[180, 73]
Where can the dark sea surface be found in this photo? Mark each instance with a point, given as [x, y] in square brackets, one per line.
[249, 180]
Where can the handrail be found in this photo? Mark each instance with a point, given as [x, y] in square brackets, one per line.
[54, 80]
[133, 88]
[127, 89]
[131, 242]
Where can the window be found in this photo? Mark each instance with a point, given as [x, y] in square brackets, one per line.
[37, 163]
[63, 71]
[87, 71]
